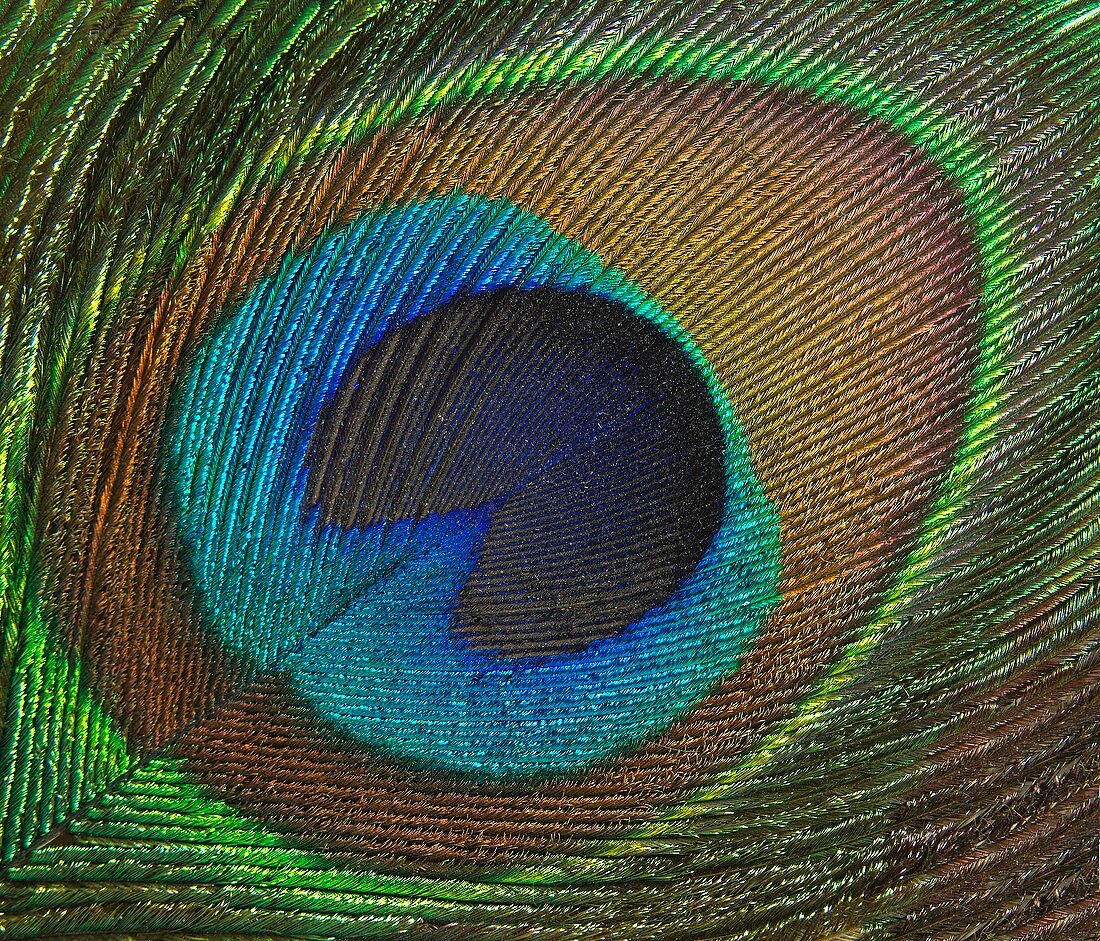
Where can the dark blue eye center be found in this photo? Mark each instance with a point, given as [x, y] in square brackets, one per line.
[581, 430]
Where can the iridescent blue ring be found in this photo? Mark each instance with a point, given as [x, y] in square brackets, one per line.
[331, 608]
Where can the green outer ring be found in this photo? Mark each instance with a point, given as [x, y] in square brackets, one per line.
[962, 161]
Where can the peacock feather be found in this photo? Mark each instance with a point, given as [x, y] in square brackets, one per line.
[583, 470]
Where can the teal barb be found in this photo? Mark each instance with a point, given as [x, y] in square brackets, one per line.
[352, 614]
[582, 471]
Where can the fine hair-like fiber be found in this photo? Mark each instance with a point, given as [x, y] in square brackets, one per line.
[520, 470]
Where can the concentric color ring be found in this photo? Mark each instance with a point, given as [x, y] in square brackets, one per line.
[845, 525]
